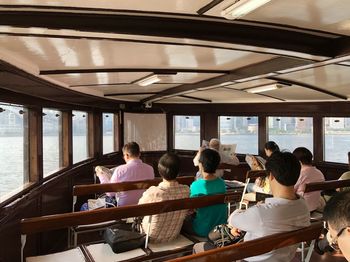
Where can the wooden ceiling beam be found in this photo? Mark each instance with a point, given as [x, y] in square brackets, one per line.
[132, 70]
[265, 67]
[180, 26]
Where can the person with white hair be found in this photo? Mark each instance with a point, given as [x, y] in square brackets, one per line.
[215, 144]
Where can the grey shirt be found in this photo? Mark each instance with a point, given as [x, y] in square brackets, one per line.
[276, 215]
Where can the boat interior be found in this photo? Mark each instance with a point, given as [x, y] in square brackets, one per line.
[133, 59]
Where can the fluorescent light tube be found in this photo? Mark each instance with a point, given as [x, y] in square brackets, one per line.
[260, 89]
[241, 8]
[148, 80]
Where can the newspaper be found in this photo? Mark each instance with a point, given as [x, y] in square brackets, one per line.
[228, 149]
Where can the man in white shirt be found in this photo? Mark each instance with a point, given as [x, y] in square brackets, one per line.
[284, 212]
[214, 143]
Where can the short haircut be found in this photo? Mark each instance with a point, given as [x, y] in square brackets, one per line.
[304, 155]
[272, 146]
[210, 160]
[284, 167]
[337, 211]
[214, 143]
[132, 148]
[169, 166]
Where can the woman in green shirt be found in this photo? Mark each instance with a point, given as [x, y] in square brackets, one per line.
[206, 218]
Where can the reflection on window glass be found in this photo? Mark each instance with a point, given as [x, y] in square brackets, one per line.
[148, 130]
[291, 132]
[241, 130]
[52, 146]
[13, 156]
[187, 132]
[337, 139]
[80, 137]
[108, 134]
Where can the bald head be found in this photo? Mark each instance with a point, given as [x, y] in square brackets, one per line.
[214, 144]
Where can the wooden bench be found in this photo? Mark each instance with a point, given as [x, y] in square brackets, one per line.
[93, 189]
[326, 185]
[52, 222]
[257, 246]
[323, 186]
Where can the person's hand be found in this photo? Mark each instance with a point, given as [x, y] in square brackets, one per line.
[235, 232]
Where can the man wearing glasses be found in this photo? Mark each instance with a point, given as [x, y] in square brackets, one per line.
[337, 215]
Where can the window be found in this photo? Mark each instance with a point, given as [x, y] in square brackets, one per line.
[80, 136]
[108, 132]
[187, 132]
[337, 139]
[13, 150]
[291, 132]
[52, 145]
[240, 130]
[148, 130]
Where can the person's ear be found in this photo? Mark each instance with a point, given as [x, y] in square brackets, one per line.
[271, 177]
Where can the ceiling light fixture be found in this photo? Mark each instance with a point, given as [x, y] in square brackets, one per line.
[149, 80]
[241, 8]
[265, 88]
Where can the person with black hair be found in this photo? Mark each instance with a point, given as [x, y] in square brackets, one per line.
[337, 215]
[285, 211]
[133, 170]
[206, 218]
[308, 174]
[166, 226]
[271, 147]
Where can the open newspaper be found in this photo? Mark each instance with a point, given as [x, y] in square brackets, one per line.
[102, 171]
[228, 149]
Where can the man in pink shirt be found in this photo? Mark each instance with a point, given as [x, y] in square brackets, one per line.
[308, 174]
[133, 170]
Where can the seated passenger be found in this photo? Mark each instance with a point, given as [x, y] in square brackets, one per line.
[224, 159]
[337, 215]
[166, 226]
[133, 170]
[284, 212]
[261, 184]
[308, 174]
[206, 218]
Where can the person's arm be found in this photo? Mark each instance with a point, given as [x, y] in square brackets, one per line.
[196, 158]
[245, 220]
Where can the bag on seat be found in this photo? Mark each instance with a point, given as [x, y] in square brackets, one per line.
[221, 236]
[122, 240]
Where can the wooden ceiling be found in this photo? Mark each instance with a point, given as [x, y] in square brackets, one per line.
[88, 52]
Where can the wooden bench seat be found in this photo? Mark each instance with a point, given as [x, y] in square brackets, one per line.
[52, 222]
[257, 246]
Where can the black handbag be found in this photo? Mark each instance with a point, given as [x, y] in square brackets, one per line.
[123, 240]
[221, 236]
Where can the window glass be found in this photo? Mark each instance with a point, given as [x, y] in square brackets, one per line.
[148, 130]
[337, 139]
[108, 132]
[80, 136]
[291, 132]
[52, 145]
[187, 132]
[13, 150]
[240, 130]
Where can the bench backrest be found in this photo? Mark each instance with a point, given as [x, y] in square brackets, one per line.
[326, 185]
[257, 246]
[51, 222]
[80, 190]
